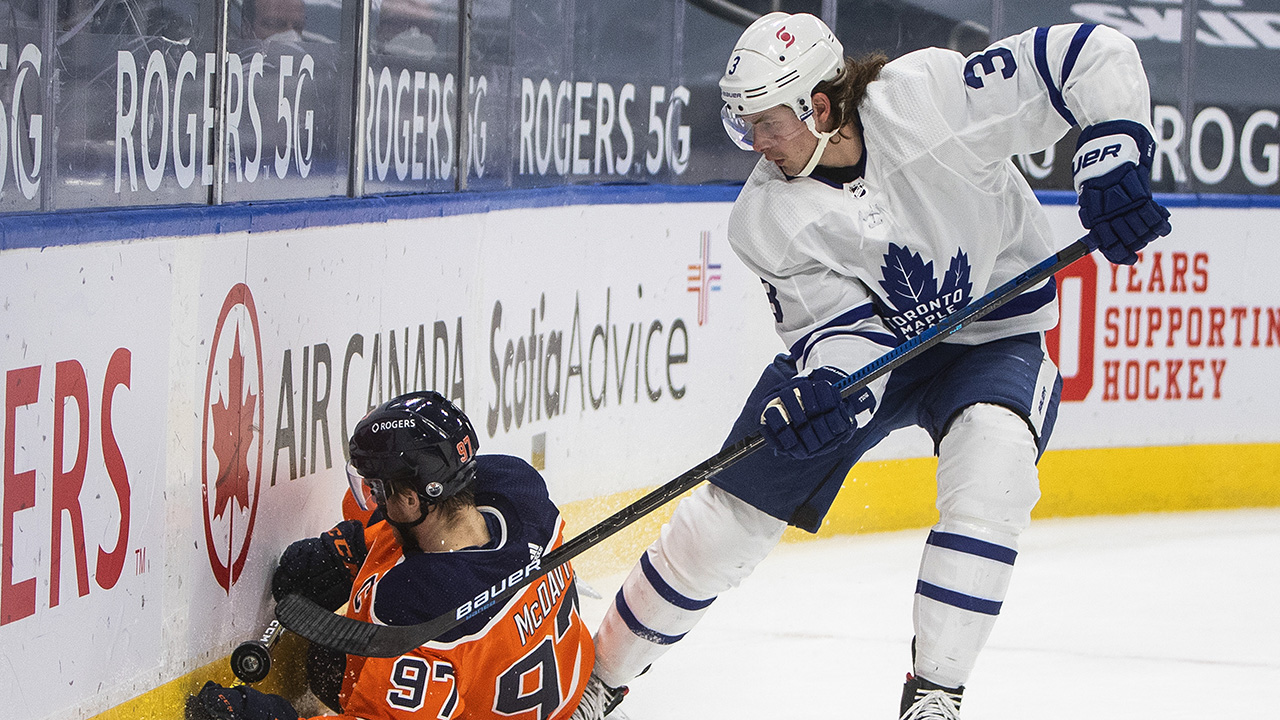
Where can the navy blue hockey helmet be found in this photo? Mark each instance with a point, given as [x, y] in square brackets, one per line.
[419, 439]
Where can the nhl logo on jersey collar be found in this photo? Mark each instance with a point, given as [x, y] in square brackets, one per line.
[857, 188]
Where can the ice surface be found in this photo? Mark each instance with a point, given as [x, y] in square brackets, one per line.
[1145, 616]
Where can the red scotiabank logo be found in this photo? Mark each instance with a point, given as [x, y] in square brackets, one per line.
[231, 442]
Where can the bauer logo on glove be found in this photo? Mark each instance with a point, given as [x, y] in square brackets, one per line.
[1097, 156]
[1112, 175]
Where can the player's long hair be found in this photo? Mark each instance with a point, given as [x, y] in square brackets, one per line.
[848, 90]
[451, 508]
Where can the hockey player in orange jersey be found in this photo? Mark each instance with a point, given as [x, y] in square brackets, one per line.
[449, 528]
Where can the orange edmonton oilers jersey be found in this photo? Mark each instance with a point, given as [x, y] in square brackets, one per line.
[528, 659]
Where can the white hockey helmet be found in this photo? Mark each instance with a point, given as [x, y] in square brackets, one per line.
[778, 60]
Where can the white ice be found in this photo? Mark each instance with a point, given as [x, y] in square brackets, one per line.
[1164, 616]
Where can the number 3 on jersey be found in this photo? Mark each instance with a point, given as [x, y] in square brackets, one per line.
[772, 293]
[987, 63]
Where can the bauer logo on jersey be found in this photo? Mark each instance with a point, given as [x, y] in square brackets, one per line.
[912, 289]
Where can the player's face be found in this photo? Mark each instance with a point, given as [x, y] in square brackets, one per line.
[782, 138]
[368, 492]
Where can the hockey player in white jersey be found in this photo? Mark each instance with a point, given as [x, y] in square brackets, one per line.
[884, 200]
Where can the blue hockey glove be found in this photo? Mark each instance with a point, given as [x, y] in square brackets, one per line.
[1112, 175]
[806, 417]
[237, 703]
[322, 568]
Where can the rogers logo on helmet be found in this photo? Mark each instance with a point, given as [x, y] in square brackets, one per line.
[393, 424]
[786, 37]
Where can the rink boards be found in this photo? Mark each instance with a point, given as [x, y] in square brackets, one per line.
[178, 385]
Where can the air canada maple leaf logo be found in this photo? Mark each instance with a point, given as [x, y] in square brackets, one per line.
[232, 436]
[231, 457]
[912, 289]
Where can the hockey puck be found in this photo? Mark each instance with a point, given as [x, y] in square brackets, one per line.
[251, 662]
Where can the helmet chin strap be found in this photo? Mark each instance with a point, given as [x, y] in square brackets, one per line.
[823, 138]
[404, 527]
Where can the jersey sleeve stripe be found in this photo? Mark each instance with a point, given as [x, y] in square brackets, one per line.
[1026, 303]
[1073, 51]
[667, 592]
[1042, 65]
[882, 339]
[857, 314]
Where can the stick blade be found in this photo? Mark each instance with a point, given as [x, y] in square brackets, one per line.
[339, 632]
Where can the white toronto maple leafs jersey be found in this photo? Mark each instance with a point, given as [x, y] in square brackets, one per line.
[940, 216]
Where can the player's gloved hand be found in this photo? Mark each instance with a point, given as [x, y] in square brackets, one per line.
[215, 702]
[322, 568]
[1112, 175]
[806, 417]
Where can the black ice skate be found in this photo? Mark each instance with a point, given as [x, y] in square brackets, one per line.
[923, 700]
[598, 701]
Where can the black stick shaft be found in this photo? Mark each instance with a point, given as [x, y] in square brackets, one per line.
[352, 636]
[883, 365]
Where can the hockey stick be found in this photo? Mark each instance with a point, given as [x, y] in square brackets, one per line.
[355, 637]
[251, 660]
[250, 663]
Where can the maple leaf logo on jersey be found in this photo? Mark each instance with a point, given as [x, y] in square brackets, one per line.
[912, 289]
[232, 436]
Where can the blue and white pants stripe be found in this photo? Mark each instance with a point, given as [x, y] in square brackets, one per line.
[987, 485]
[713, 541]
